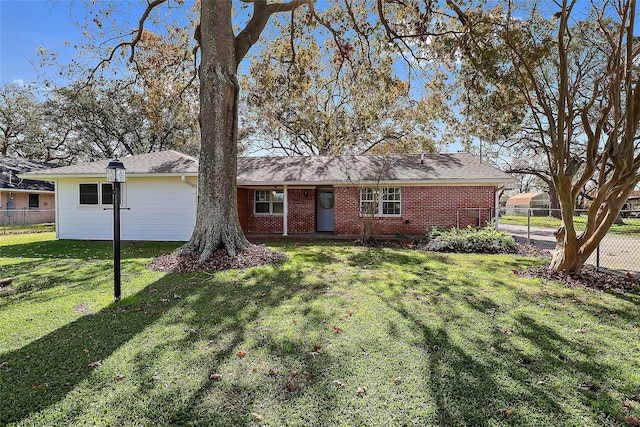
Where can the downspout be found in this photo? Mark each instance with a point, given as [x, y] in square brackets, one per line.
[285, 214]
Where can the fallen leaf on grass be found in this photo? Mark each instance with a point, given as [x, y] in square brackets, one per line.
[176, 296]
[314, 354]
[361, 391]
[155, 378]
[399, 380]
[505, 331]
[289, 386]
[273, 373]
[4, 364]
[633, 421]
[514, 271]
[119, 377]
[338, 384]
[192, 332]
[241, 354]
[95, 364]
[164, 300]
[337, 329]
[215, 377]
[317, 348]
[630, 404]
[35, 385]
[256, 417]
[505, 411]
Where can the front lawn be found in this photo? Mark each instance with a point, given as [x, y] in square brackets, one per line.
[339, 335]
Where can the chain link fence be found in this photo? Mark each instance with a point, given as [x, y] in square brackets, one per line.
[619, 250]
[25, 220]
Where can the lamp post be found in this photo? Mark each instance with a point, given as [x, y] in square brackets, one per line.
[116, 175]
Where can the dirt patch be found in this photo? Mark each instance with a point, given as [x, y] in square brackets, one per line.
[253, 256]
[83, 309]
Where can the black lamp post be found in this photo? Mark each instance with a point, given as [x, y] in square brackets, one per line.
[116, 175]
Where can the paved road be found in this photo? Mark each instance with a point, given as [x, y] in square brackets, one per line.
[617, 252]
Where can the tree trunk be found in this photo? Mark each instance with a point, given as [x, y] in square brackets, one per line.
[565, 257]
[217, 224]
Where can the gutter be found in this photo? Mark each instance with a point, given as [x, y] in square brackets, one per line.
[186, 181]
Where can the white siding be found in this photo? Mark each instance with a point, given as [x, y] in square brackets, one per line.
[160, 209]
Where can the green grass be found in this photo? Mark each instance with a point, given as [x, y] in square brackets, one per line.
[630, 227]
[436, 339]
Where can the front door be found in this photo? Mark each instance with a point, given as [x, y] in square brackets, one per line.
[324, 210]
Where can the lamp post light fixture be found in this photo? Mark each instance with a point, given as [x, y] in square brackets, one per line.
[116, 175]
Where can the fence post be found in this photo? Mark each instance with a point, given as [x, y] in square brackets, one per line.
[458, 218]
[598, 257]
[528, 226]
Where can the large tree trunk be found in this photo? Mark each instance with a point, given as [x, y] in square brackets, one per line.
[217, 224]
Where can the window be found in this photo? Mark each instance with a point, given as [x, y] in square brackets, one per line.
[89, 194]
[380, 201]
[99, 194]
[107, 193]
[34, 201]
[269, 202]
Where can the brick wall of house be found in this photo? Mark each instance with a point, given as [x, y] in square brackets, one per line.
[302, 214]
[22, 213]
[243, 207]
[422, 207]
[302, 211]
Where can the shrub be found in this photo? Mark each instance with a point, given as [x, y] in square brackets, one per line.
[477, 240]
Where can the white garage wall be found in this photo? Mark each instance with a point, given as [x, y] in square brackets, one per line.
[161, 208]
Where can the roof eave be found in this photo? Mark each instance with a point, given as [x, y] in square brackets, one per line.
[54, 177]
[488, 181]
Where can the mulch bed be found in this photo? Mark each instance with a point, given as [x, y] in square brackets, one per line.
[253, 256]
[588, 277]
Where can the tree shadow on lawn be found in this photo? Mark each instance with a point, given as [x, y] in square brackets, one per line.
[44, 372]
[480, 380]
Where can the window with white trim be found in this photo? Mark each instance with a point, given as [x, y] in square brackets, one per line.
[268, 202]
[99, 194]
[385, 201]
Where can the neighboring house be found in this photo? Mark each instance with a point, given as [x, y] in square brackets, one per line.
[632, 206]
[520, 204]
[406, 194]
[24, 201]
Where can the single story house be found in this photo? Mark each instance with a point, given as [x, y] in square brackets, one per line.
[520, 204]
[406, 194]
[24, 201]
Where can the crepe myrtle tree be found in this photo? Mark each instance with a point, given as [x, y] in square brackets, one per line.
[575, 72]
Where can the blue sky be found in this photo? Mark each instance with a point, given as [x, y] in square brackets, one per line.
[26, 25]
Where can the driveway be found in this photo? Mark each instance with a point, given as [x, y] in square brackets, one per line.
[617, 252]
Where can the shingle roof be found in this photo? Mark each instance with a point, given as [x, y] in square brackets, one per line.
[163, 162]
[311, 170]
[407, 168]
[10, 167]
